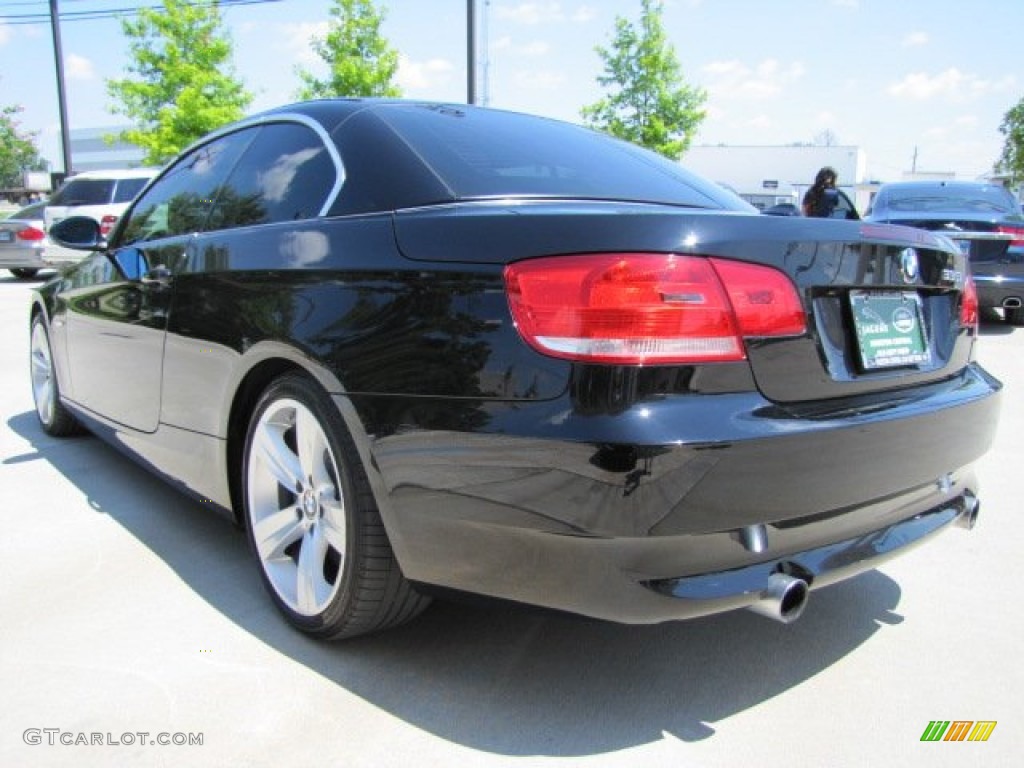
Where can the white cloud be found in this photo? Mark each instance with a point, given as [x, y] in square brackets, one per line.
[530, 13]
[583, 14]
[825, 119]
[536, 48]
[543, 80]
[297, 38]
[423, 75]
[78, 68]
[734, 79]
[714, 112]
[544, 13]
[915, 39]
[951, 84]
[762, 122]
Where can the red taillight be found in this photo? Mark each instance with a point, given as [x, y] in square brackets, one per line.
[630, 308]
[107, 224]
[969, 304]
[1017, 232]
[31, 234]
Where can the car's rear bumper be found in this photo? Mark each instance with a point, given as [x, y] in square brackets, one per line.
[22, 258]
[47, 257]
[659, 505]
[1000, 285]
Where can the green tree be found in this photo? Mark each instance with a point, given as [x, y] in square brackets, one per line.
[18, 151]
[359, 60]
[1011, 160]
[649, 102]
[181, 84]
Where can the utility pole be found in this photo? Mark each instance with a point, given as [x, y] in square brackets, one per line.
[58, 57]
[471, 51]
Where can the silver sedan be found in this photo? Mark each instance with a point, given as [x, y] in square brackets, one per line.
[24, 246]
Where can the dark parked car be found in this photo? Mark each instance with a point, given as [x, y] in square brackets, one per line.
[423, 348]
[983, 219]
[844, 208]
[782, 209]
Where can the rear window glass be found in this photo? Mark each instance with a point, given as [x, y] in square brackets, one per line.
[84, 192]
[982, 199]
[488, 154]
[128, 189]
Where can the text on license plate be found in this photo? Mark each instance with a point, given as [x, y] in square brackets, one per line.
[889, 327]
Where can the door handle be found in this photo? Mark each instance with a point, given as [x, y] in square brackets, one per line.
[158, 277]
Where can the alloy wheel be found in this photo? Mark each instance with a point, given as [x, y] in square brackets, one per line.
[296, 507]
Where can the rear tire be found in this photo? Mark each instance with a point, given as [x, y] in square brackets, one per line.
[24, 273]
[312, 520]
[1015, 316]
[54, 418]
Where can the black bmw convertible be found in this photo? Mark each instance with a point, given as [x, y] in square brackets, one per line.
[425, 348]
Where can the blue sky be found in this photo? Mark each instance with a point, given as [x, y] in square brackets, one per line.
[890, 76]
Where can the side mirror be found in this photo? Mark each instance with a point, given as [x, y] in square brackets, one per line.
[79, 233]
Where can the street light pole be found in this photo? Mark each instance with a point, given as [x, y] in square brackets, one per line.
[471, 51]
[61, 100]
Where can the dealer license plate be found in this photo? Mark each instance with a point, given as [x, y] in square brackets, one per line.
[889, 327]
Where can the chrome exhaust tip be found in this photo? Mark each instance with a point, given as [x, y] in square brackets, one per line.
[1013, 302]
[783, 598]
[968, 518]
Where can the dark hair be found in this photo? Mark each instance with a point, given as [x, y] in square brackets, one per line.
[820, 199]
[826, 174]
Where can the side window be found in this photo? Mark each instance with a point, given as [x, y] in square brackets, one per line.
[284, 175]
[181, 200]
[127, 189]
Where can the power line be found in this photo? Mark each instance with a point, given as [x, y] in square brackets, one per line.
[21, 19]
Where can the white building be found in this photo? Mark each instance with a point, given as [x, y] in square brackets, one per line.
[98, 149]
[767, 175]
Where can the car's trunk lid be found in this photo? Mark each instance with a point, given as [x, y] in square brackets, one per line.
[844, 271]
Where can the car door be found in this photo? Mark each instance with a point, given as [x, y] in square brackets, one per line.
[118, 308]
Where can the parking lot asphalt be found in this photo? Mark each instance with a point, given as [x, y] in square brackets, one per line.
[130, 616]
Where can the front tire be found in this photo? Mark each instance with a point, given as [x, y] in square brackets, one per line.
[54, 418]
[312, 521]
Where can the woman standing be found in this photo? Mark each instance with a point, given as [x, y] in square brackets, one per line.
[822, 197]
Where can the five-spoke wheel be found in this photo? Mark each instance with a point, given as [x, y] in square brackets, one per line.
[55, 419]
[311, 519]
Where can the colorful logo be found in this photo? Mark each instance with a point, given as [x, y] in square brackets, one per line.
[958, 730]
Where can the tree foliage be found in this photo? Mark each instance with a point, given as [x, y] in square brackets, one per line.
[18, 151]
[181, 84]
[649, 103]
[359, 60]
[1011, 160]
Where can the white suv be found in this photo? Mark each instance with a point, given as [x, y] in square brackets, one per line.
[103, 195]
